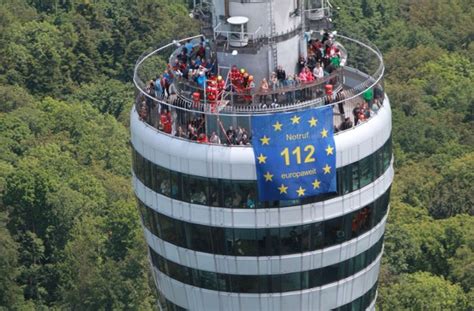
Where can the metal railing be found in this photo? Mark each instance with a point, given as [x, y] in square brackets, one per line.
[364, 73]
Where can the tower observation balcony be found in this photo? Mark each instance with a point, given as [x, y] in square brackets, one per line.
[357, 92]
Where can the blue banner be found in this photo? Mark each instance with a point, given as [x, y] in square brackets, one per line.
[295, 154]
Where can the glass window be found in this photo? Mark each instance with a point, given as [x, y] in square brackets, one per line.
[275, 280]
[305, 238]
[176, 185]
[208, 280]
[148, 171]
[317, 233]
[198, 237]
[359, 262]
[366, 171]
[263, 243]
[347, 179]
[245, 242]
[290, 282]
[195, 189]
[274, 241]
[156, 228]
[315, 278]
[334, 231]
[330, 274]
[379, 162]
[169, 230]
[290, 238]
[387, 157]
[178, 272]
[163, 183]
[218, 240]
[361, 221]
[355, 176]
[215, 194]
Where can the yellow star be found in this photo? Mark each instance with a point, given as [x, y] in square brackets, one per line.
[277, 126]
[283, 189]
[268, 176]
[262, 159]
[300, 191]
[265, 140]
[313, 122]
[324, 133]
[327, 169]
[295, 120]
[316, 184]
[330, 150]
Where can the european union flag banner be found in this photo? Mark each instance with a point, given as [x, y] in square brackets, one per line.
[295, 154]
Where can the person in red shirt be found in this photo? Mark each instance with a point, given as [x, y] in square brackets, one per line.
[202, 139]
[165, 121]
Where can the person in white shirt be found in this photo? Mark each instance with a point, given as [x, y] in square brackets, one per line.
[318, 71]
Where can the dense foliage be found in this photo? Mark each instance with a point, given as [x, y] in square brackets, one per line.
[428, 51]
[69, 232]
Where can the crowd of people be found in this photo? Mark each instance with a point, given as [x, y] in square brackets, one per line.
[191, 65]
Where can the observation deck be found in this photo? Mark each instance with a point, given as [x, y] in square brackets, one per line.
[357, 83]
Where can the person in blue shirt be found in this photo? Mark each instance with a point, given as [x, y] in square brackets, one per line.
[159, 88]
[189, 47]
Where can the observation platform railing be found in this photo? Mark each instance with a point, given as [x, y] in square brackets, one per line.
[363, 74]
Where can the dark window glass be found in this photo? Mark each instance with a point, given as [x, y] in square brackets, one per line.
[305, 238]
[290, 238]
[275, 281]
[265, 241]
[163, 181]
[366, 171]
[178, 272]
[243, 194]
[330, 274]
[156, 227]
[208, 280]
[347, 179]
[169, 230]
[274, 241]
[334, 231]
[387, 157]
[290, 282]
[379, 168]
[245, 242]
[176, 185]
[148, 171]
[195, 189]
[265, 283]
[317, 235]
[361, 221]
[315, 278]
[218, 240]
[359, 262]
[198, 237]
[215, 193]
[355, 176]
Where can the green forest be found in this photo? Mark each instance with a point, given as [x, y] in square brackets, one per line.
[70, 235]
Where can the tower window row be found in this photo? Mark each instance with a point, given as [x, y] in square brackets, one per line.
[274, 283]
[265, 241]
[243, 194]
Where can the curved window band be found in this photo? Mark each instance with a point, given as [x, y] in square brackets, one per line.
[275, 283]
[361, 303]
[265, 241]
[242, 194]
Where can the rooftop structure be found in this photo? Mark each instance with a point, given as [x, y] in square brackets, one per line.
[216, 242]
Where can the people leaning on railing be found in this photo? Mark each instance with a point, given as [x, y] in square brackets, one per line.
[193, 80]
